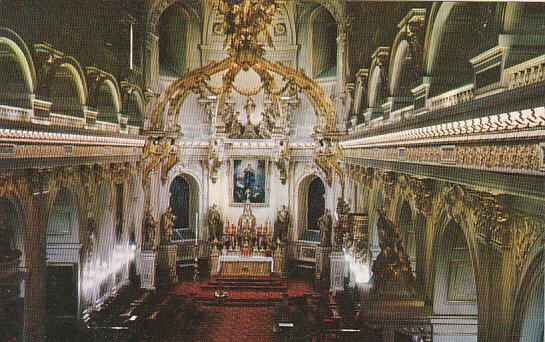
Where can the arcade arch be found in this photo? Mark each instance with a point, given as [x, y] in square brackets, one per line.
[16, 71]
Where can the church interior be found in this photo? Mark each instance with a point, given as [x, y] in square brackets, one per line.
[272, 170]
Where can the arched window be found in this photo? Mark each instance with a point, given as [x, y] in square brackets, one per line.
[173, 27]
[324, 44]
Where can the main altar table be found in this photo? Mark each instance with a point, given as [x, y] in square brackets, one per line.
[235, 265]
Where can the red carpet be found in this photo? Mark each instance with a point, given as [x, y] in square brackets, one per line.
[245, 316]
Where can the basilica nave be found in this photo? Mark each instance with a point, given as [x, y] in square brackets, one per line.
[269, 170]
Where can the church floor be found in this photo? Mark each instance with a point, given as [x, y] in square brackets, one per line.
[247, 314]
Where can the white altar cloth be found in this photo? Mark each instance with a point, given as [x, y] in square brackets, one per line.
[237, 258]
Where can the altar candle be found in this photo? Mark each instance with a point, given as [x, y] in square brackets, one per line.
[196, 227]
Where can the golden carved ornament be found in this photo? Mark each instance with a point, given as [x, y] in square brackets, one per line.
[246, 25]
[525, 233]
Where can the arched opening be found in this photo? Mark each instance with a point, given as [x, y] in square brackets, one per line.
[15, 75]
[375, 85]
[455, 291]
[11, 261]
[173, 41]
[107, 102]
[184, 201]
[532, 323]
[324, 44]
[403, 75]
[62, 252]
[65, 91]
[133, 108]
[525, 22]
[455, 25]
[408, 236]
[312, 205]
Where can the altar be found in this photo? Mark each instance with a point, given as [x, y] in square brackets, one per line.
[254, 266]
[246, 250]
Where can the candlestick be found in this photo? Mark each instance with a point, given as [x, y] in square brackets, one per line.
[196, 227]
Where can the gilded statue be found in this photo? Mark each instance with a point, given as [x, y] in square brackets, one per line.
[325, 222]
[247, 222]
[91, 232]
[343, 209]
[214, 223]
[392, 268]
[281, 225]
[149, 231]
[168, 226]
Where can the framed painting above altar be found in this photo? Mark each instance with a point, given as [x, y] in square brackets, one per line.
[249, 181]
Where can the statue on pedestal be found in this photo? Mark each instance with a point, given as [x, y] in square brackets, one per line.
[392, 268]
[168, 226]
[343, 209]
[149, 231]
[281, 225]
[246, 224]
[214, 223]
[325, 222]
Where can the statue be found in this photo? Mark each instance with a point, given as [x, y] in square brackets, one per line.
[281, 226]
[149, 231]
[325, 222]
[91, 231]
[168, 226]
[214, 223]
[392, 269]
[246, 224]
[343, 209]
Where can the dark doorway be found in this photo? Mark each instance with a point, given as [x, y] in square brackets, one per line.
[62, 301]
[315, 203]
[179, 202]
[119, 213]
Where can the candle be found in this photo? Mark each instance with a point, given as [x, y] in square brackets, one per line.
[196, 227]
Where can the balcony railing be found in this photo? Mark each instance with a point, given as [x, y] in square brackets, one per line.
[526, 73]
[26, 115]
[452, 97]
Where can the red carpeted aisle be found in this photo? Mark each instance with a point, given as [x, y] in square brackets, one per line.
[232, 323]
[247, 314]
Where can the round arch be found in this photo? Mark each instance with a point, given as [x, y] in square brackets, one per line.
[108, 99]
[374, 86]
[133, 106]
[529, 297]
[184, 199]
[400, 60]
[448, 65]
[66, 87]
[300, 203]
[16, 57]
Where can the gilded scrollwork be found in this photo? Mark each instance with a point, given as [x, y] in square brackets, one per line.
[525, 233]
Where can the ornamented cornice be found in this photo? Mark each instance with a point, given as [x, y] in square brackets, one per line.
[505, 122]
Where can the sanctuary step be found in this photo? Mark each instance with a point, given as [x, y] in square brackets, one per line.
[246, 284]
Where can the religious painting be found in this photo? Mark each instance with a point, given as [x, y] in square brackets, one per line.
[249, 181]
